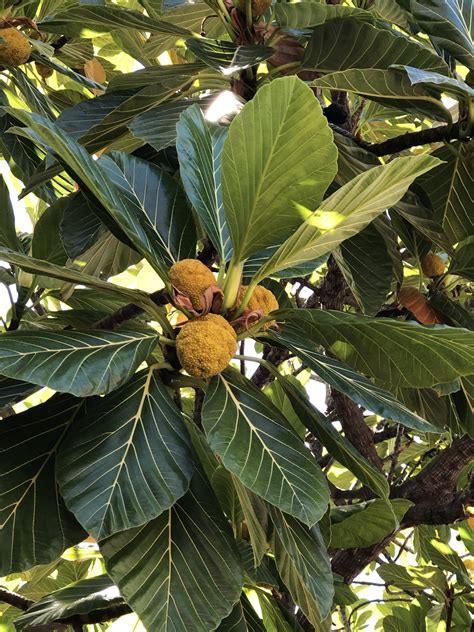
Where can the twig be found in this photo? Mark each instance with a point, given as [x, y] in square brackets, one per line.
[129, 311]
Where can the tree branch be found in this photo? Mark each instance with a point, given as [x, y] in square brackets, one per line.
[405, 141]
[129, 311]
[15, 600]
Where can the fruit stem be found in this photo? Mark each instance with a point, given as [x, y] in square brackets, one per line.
[232, 283]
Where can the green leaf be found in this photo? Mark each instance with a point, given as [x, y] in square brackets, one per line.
[389, 87]
[304, 565]
[278, 154]
[128, 82]
[227, 57]
[243, 618]
[199, 148]
[441, 554]
[190, 569]
[463, 260]
[375, 521]
[13, 391]
[38, 266]
[350, 43]
[88, 21]
[8, 236]
[448, 22]
[131, 205]
[367, 267]
[346, 212]
[127, 458]
[450, 191]
[356, 386]
[36, 527]
[415, 579]
[255, 514]
[456, 313]
[256, 443]
[397, 353]
[80, 225]
[46, 243]
[308, 14]
[80, 598]
[334, 442]
[456, 88]
[83, 363]
[158, 126]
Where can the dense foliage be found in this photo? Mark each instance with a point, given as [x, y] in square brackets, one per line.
[236, 373]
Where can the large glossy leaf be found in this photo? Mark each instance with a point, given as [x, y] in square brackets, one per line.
[450, 190]
[308, 14]
[13, 391]
[397, 353]
[356, 386]
[127, 458]
[85, 596]
[80, 226]
[304, 565]
[83, 363]
[463, 260]
[456, 88]
[158, 126]
[255, 513]
[109, 181]
[278, 153]
[449, 23]
[347, 211]
[158, 197]
[38, 266]
[143, 77]
[88, 21]
[391, 87]
[8, 236]
[35, 525]
[350, 43]
[199, 148]
[415, 578]
[456, 313]
[256, 443]
[334, 442]
[228, 57]
[114, 124]
[243, 618]
[367, 267]
[180, 571]
[375, 520]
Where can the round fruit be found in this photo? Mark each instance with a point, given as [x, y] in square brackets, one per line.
[15, 48]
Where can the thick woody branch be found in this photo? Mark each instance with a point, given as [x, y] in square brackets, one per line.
[129, 311]
[405, 141]
[436, 500]
[15, 600]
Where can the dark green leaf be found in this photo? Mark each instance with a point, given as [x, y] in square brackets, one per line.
[13, 391]
[82, 363]
[127, 459]
[190, 569]
[395, 352]
[80, 225]
[256, 443]
[448, 22]
[35, 524]
[199, 148]
[81, 598]
[307, 14]
[456, 313]
[349, 43]
[367, 267]
[463, 260]
[334, 442]
[46, 243]
[354, 385]
[304, 565]
[227, 57]
[88, 21]
[8, 236]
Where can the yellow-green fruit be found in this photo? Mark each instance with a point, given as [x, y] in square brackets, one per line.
[258, 6]
[192, 278]
[15, 49]
[206, 345]
[432, 265]
[469, 563]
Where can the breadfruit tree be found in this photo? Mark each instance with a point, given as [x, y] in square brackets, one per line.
[237, 346]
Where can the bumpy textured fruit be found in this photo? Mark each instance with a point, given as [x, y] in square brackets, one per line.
[15, 49]
[206, 345]
[192, 278]
[262, 300]
[258, 6]
[432, 265]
